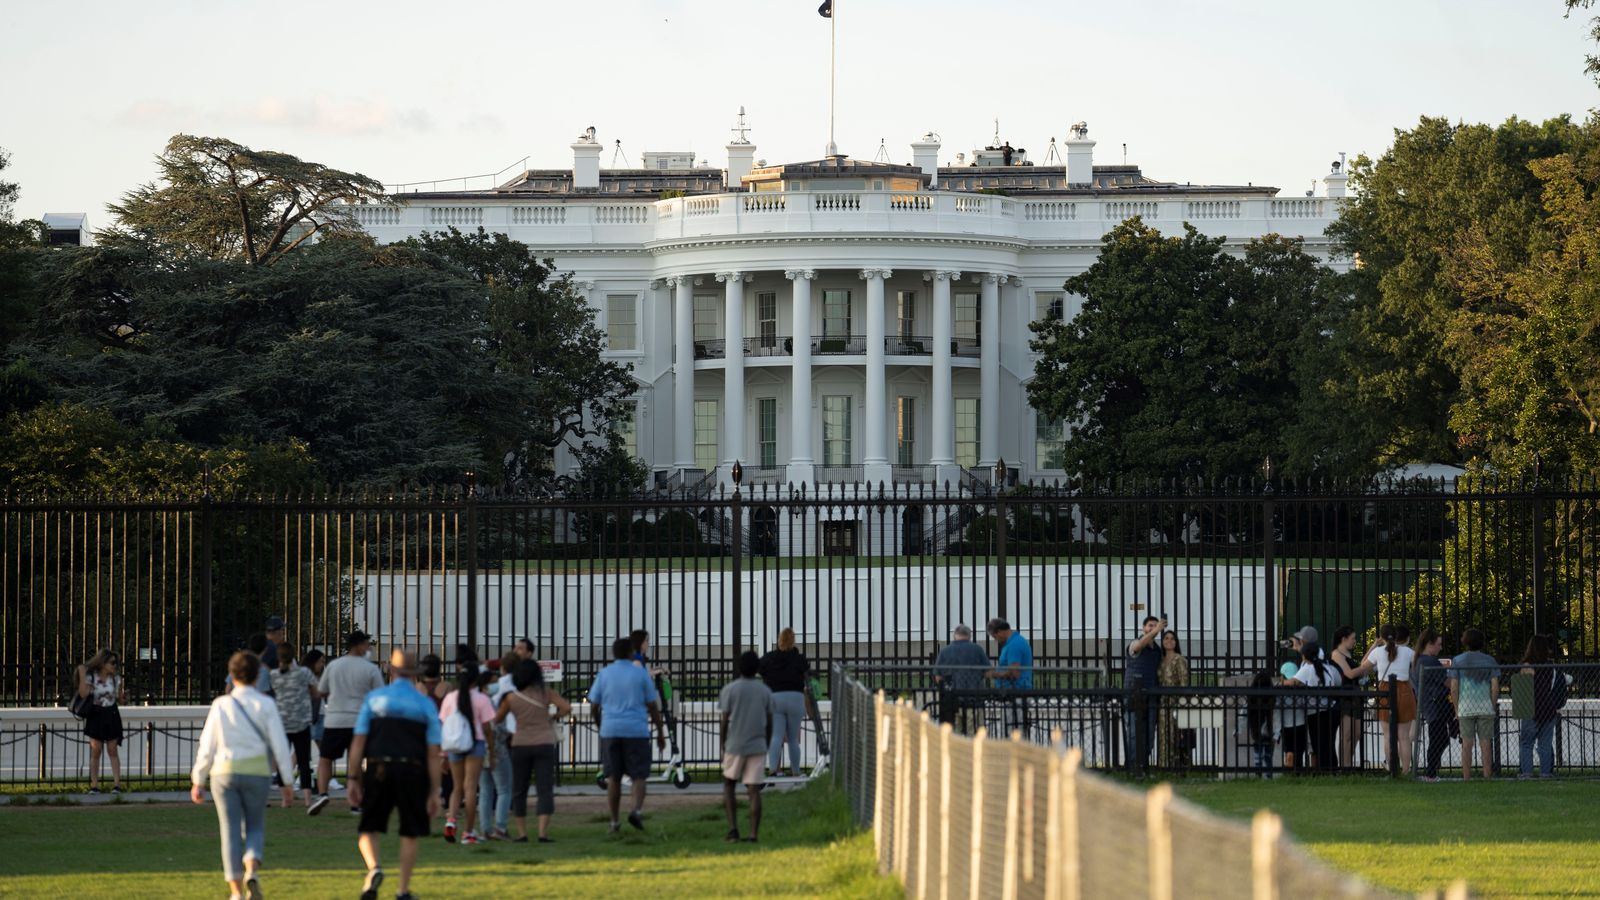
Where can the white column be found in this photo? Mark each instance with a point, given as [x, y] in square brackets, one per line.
[683, 371]
[876, 458]
[989, 371]
[733, 372]
[802, 465]
[943, 418]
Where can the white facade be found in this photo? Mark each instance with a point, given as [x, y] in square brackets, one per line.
[839, 320]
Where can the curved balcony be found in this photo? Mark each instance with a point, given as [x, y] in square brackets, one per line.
[835, 345]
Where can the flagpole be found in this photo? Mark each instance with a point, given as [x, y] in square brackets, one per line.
[833, 42]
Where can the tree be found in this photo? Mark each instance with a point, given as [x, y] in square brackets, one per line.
[1413, 209]
[543, 338]
[1591, 62]
[1182, 361]
[222, 200]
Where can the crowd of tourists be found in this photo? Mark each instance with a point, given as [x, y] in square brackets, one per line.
[419, 746]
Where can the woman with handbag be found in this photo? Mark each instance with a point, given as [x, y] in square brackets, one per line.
[100, 691]
[243, 742]
[533, 745]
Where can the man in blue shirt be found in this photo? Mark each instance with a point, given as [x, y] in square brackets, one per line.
[624, 703]
[1013, 670]
[396, 743]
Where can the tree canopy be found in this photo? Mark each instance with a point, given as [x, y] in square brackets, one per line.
[1184, 361]
[222, 200]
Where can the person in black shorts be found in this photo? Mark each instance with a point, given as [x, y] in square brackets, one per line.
[345, 683]
[396, 750]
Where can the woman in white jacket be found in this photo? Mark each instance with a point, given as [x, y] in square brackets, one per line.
[242, 743]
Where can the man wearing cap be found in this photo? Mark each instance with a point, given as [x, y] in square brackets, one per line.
[394, 763]
[276, 634]
[345, 684]
[1306, 635]
[960, 667]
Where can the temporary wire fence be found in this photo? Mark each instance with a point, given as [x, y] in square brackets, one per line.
[955, 817]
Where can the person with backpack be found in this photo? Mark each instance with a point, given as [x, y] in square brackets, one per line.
[241, 746]
[467, 738]
[1549, 694]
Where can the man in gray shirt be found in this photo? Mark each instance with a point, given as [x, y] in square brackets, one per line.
[960, 667]
[746, 706]
[345, 684]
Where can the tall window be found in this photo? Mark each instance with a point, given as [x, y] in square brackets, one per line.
[836, 431]
[767, 423]
[706, 429]
[908, 314]
[905, 431]
[1049, 443]
[622, 321]
[967, 324]
[1049, 306]
[627, 426]
[767, 318]
[705, 317]
[967, 413]
[836, 314]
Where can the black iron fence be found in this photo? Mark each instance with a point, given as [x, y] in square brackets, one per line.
[1545, 720]
[863, 574]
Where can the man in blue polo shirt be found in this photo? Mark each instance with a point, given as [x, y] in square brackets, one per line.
[1013, 670]
[396, 747]
[624, 703]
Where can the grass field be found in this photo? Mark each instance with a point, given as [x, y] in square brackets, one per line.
[1507, 838]
[808, 849]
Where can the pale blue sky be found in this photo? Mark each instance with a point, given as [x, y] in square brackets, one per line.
[1221, 91]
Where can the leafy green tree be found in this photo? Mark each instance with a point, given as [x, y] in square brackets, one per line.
[543, 339]
[222, 200]
[1438, 189]
[1183, 360]
[1591, 62]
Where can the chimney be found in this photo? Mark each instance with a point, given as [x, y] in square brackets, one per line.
[1080, 156]
[1334, 181]
[925, 156]
[741, 153]
[586, 162]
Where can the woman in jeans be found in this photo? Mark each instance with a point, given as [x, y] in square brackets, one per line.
[784, 671]
[1539, 731]
[292, 687]
[241, 744]
[102, 724]
[533, 745]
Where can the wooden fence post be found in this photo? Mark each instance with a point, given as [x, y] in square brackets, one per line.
[902, 790]
[1265, 830]
[881, 750]
[923, 784]
[975, 860]
[1069, 846]
[945, 732]
[1158, 828]
[1009, 886]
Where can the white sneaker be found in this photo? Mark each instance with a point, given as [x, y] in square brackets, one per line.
[334, 785]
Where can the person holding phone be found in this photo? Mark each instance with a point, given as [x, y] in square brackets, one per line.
[1143, 671]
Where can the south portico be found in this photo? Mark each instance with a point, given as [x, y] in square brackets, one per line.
[740, 334]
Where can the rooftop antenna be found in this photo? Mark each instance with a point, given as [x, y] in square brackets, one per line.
[997, 131]
[1052, 154]
[741, 129]
[615, 154]
[1124, 152]
[883, 151]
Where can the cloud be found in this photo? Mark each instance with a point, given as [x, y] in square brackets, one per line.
[348, 117]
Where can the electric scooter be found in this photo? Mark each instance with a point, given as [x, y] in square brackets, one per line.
[675, 773]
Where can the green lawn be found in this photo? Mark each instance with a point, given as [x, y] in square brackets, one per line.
[808, 849]
[1507, 838]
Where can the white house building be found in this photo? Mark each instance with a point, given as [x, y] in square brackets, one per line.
[839, 320]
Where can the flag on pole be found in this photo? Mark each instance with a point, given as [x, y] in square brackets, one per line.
[826, 9]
